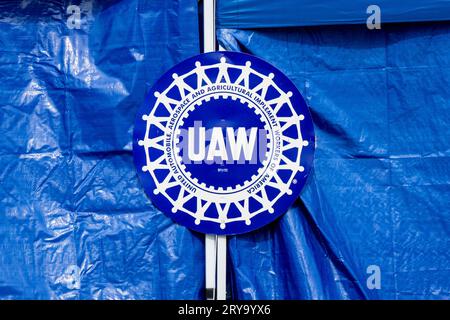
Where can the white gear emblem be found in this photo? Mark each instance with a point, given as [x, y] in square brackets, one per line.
[283, 160]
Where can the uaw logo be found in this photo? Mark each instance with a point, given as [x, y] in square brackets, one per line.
[224, 143]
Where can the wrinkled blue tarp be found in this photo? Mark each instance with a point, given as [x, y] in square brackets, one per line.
[294, 13]
[380, 192]
[74, 220]
[76, 224]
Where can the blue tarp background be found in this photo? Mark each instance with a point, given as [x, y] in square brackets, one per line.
[74, 220]
[76, 224]
[380, 193]
[295, 13]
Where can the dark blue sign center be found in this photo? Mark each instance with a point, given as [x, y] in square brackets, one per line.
[228, 143]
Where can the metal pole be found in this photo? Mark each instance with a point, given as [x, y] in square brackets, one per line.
[209, 25]
[214, 273]
[221, 260]
[210, 265]
[221, 267]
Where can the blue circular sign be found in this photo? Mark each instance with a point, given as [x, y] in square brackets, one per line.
[224, 143]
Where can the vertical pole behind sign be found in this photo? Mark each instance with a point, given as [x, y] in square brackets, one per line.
[209, 25]
[210, 265]
[215, 246]
[221, 267]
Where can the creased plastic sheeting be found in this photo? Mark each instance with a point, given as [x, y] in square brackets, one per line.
[380, 193]
[295, 13]
[74, 220]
